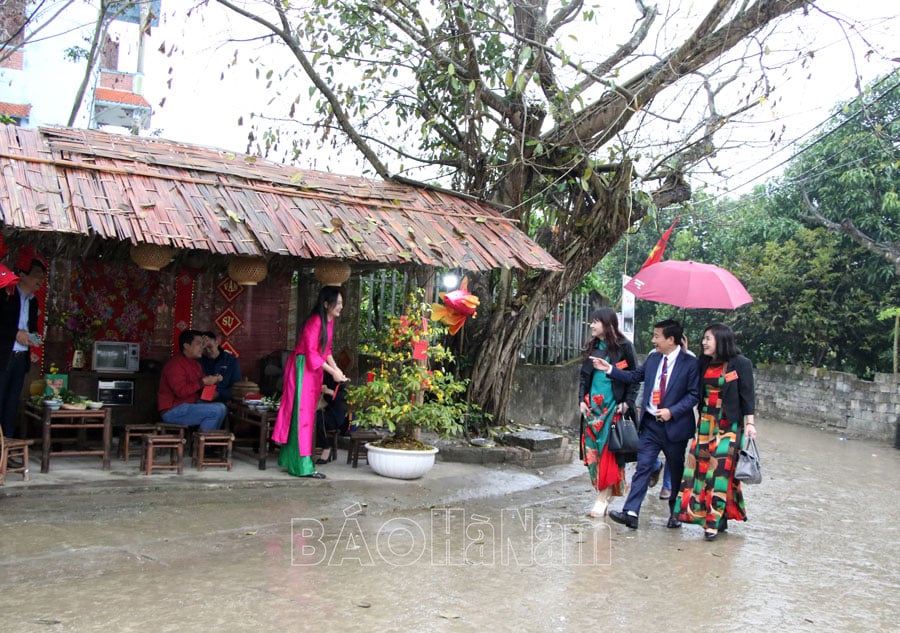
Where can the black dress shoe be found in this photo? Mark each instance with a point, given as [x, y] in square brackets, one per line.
[673, 523]
[624, 518]
[710, 536]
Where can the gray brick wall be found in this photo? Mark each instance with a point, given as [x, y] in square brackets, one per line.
[830, 400]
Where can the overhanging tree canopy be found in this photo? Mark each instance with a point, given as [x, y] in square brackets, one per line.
[498, 99]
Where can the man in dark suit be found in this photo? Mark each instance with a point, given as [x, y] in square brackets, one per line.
[18, 332]
[667, 419]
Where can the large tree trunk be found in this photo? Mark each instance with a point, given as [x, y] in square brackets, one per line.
[495, 346]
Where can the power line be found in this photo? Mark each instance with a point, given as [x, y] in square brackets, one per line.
[826, 135]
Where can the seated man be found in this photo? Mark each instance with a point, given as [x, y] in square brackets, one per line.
[216, 361]
[181, 386]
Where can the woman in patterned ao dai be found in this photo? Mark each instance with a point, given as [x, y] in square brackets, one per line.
[599, 398]
[709, 494]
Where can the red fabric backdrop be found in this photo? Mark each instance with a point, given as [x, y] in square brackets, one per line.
[120, 297]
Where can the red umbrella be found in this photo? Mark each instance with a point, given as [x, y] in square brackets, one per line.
[688, 284]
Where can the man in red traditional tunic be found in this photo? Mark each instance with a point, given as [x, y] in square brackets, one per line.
[182, 384]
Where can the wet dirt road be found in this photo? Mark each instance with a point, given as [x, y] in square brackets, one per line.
[821, 552]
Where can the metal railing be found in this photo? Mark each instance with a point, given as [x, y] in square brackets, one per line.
[559, 338]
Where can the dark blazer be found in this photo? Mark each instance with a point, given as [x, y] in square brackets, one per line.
[681, 391]
[622, 392]
[738, 396]
[10, 305]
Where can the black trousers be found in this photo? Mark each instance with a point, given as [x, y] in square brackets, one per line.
[12, 379]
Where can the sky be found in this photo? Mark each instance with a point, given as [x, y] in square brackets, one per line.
[200, 78]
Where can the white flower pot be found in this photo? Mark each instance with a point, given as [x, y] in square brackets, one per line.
[400, 464]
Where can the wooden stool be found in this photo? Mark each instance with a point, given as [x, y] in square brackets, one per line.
[210, 439]
[133, 432]
[13, 448]
[358, 441]
[171, 443]
[183, 431]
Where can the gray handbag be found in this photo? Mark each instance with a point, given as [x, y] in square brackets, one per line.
[747, 470]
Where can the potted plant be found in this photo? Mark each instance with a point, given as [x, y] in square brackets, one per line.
[410, 387]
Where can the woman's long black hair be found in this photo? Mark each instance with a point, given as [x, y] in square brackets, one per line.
[327, 298]
[611, 332]
[726, 342]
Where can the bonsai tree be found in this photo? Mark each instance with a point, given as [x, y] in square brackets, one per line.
[411, 385]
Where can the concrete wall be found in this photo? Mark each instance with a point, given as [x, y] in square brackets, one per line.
[829, 399]
[546, 394]
[814, 397]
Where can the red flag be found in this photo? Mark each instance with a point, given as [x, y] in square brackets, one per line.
[657, 252]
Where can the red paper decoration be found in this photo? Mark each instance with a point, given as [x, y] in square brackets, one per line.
[228, 347]
[228, 322]
[420, 350]
[230, 289]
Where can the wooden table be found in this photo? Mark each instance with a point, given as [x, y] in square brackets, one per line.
[78, 419]
[263, 420]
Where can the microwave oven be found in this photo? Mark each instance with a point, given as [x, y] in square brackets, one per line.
[116, 357]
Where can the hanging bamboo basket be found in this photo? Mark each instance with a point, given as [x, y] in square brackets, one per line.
[151, 256]
[247, 270]
[332, 273]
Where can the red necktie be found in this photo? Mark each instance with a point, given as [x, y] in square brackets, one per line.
[662, 379]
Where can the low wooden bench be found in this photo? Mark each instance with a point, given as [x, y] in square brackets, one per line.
[14, 449]
[204, 440]
[134, 432]
[358, 440]
[172, 445]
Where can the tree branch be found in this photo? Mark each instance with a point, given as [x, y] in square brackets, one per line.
[10, 46]
[847, 227]
[602, 120]
[285, 34]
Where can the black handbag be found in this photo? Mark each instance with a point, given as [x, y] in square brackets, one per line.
[747, 469]
[623, 435]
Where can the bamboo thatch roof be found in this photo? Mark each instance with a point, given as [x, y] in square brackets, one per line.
[134, 189]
